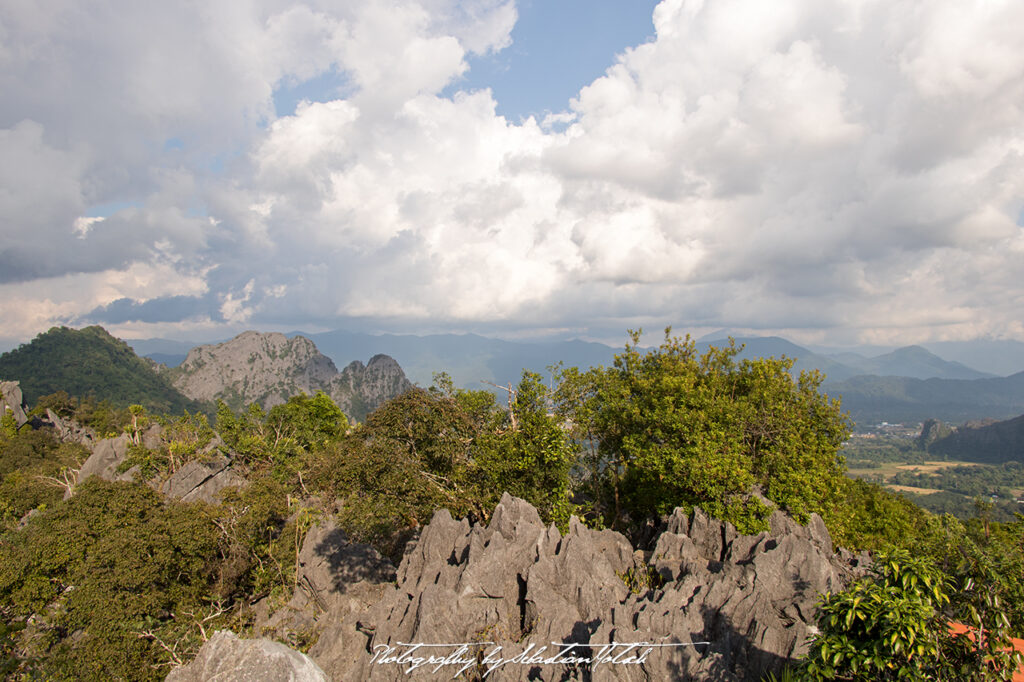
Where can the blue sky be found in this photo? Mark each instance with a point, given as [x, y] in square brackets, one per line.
[558, 46]
[838, 172]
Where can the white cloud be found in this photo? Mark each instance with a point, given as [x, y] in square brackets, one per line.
[815, 167]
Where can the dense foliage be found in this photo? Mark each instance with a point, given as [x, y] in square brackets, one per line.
[671, 427]
[895, 625]
[90, 362]
[119, 582]
[116, 569]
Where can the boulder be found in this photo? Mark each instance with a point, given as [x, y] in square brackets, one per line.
[106, 457]
[109, 454]
[228, 658]
[329, 564]
[335, 576]
[202, 480]
[12, 401]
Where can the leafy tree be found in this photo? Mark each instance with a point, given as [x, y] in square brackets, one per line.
[532, 460]
[430, 427]
[182, 439]
[412, 456]
[895, 626]
[311, 422]
[278, 438]
[672, 427]
[106, 420]
[867, 516]
[255, 540]
[102, 570]
[32, 464]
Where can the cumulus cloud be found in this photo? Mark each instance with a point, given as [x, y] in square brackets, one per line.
[828, 169]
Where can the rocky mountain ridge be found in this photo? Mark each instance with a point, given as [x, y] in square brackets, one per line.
[704, 602]
[269, 368]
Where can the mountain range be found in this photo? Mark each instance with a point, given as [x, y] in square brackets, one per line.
[270, 368]
[251, 368]
[908, 385]
[468, 358]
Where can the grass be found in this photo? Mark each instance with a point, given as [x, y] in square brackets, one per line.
[888, 469]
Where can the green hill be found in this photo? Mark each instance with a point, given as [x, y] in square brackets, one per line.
[90, 362]
[871, 399]
[990, 443]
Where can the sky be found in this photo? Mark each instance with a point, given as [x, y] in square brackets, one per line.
[833, 171]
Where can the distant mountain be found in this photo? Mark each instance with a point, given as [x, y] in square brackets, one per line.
[1000, 357]
[871, 399]
[90, 361]
[990, 443]
[165, 351]
[889, 394]
[774, 346]
[910, 361]
[467, 358]
[270, 368]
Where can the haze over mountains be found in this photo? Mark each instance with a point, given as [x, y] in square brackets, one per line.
[908, 384]
[469, 357]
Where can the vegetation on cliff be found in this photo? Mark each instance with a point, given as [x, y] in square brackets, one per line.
[119, 581]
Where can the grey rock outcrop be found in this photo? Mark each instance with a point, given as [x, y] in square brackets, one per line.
[254, 367]
[227, 658]
[270, 368]
[359, 390]
[329, 564]
[108, 455]
[719, 605]
[201, 480]
[336, 578]
[69, 431]
[931, 431]
[983, 441]
[12, 401]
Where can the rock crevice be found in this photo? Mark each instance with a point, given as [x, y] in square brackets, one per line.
[733, 606]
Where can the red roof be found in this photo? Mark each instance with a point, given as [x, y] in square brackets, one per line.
[1018, 644]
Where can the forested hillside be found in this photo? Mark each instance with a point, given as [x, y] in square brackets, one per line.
[996, 442]
[187, 526]
[872, 399]
[90, 362]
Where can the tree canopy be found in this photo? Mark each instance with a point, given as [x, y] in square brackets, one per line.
[672, 427]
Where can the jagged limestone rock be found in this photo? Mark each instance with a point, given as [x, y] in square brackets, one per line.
[739, 605]
[270, 368]
[69, 431]
[713, 603]
[334, 575]
[202, 480]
